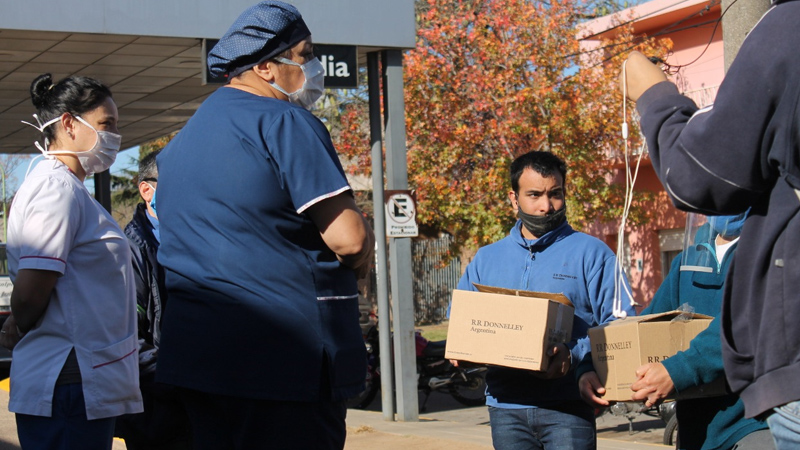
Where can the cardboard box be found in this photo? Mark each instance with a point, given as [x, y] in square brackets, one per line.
[507, 327]
[621, 346]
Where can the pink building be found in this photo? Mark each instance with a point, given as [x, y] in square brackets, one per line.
[650, 249]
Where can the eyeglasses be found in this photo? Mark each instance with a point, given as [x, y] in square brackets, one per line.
[150, 179]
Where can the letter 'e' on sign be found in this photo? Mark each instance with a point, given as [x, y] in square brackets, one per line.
[340, 63]
[401, 214]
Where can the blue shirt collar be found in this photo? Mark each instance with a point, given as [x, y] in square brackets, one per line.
[154, 223]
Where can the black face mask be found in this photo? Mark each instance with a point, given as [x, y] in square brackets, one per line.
[541, 225]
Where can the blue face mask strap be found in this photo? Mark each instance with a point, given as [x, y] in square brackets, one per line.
[153, 199]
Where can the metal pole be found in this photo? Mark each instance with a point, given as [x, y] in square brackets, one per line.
[400, 248]
[384, 314]
[5, 212]
[102, 189]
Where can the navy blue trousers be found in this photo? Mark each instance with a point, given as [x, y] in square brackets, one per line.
[68, 428]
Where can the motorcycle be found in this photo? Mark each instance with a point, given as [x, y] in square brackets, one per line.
[630, 410]
[466, 383]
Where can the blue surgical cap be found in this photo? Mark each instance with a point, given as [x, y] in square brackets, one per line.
[261, 32]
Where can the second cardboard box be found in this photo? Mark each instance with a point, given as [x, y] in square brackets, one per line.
[621, 346]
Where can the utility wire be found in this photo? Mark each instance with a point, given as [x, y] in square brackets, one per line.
[671, 69]
[665, 30]
[633, 20]
[710, 40]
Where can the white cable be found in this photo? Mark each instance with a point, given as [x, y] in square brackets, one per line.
[620, 286]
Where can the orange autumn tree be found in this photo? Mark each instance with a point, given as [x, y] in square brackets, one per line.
[488, 81]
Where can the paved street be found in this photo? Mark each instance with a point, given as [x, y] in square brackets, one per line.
[444, 425]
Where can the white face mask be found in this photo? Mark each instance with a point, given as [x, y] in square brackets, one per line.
[312, 88]
[97, 159]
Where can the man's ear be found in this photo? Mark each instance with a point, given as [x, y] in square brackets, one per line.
[512, 197]
[146, 191]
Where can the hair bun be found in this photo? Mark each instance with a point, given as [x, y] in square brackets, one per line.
[41, 90]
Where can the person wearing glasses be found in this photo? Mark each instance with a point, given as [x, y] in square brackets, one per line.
[163, 425]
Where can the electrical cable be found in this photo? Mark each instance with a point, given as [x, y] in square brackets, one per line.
[674, 69]
[631, 47]
[665, 30]
[620, 286]
[634, 20]
[668, 68]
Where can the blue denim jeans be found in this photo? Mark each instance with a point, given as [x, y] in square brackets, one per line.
[68, 428]
[784, 424]
[571, 428]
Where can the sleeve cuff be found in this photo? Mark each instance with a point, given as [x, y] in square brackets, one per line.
[677, 368]
[321, 198]
[42, 263]
[657, 91]
[584, 366]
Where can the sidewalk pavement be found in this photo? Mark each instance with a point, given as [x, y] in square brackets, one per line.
[470, 426]
[444, 429]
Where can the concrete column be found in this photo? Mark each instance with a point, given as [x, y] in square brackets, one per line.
[737, 22]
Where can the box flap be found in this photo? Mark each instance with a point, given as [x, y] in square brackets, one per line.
[660, 317]
[560, 298]
[670, 315]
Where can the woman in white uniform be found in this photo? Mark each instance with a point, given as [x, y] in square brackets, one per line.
[73, 322]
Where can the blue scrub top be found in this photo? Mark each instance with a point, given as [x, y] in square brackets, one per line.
[259, 306]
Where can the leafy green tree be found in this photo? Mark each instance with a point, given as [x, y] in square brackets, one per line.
[8, 165]
[125, 185]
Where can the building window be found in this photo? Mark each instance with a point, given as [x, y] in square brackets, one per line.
[670, 243]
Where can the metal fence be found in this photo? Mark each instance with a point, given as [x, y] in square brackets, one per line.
[436, 274]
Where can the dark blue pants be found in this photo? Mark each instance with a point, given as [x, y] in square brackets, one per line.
[162, 426]
[68, 428]
[539, 428]
[221, 422]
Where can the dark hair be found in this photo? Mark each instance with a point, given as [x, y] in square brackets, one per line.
[148, 170]
[75, 95]
[545, 164]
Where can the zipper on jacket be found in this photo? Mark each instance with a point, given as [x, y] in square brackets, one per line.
[528, 267]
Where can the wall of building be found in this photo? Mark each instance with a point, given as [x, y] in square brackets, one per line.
[689, 25]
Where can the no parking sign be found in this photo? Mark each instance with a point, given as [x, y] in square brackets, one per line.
[401, 214]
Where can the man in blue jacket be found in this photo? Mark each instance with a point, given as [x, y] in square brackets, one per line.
[740, 153]
[696, 278]
[534, 410]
